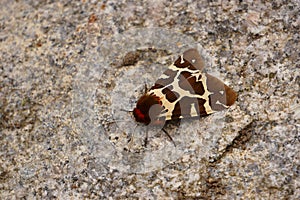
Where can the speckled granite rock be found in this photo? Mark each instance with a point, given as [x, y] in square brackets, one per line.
[68, 68]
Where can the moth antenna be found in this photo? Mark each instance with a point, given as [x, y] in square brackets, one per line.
[130, 140]
[169, 136]
[145, 88]
[126, 110]
[121, 121]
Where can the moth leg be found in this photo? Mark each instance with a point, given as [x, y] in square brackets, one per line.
[130, 140]
[146, 138]
[169, 136]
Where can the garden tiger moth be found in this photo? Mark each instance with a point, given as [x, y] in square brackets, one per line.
[183, 91]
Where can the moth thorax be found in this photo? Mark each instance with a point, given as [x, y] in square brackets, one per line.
[147, 109]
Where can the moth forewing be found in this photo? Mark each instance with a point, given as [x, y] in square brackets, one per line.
[221, 96]
[194, 58]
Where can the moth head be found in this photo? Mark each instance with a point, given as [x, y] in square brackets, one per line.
[147, 109]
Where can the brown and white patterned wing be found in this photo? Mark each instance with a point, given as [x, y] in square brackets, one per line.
[186, 92]
[221, 96]
[190, 61]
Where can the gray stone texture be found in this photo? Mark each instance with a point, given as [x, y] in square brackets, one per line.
[69, 69]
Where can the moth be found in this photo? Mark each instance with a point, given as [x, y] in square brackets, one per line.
[183, 91]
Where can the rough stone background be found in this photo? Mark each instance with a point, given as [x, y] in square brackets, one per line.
[65, 65]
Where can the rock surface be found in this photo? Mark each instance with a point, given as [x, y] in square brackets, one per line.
[69, 69]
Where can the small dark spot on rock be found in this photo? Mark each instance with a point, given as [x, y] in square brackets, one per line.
[92, 18]
[130, 58]
[272, 75]
[228, 119]
[297, 80]
[38, 44]
[103, 6]
[3, 174]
